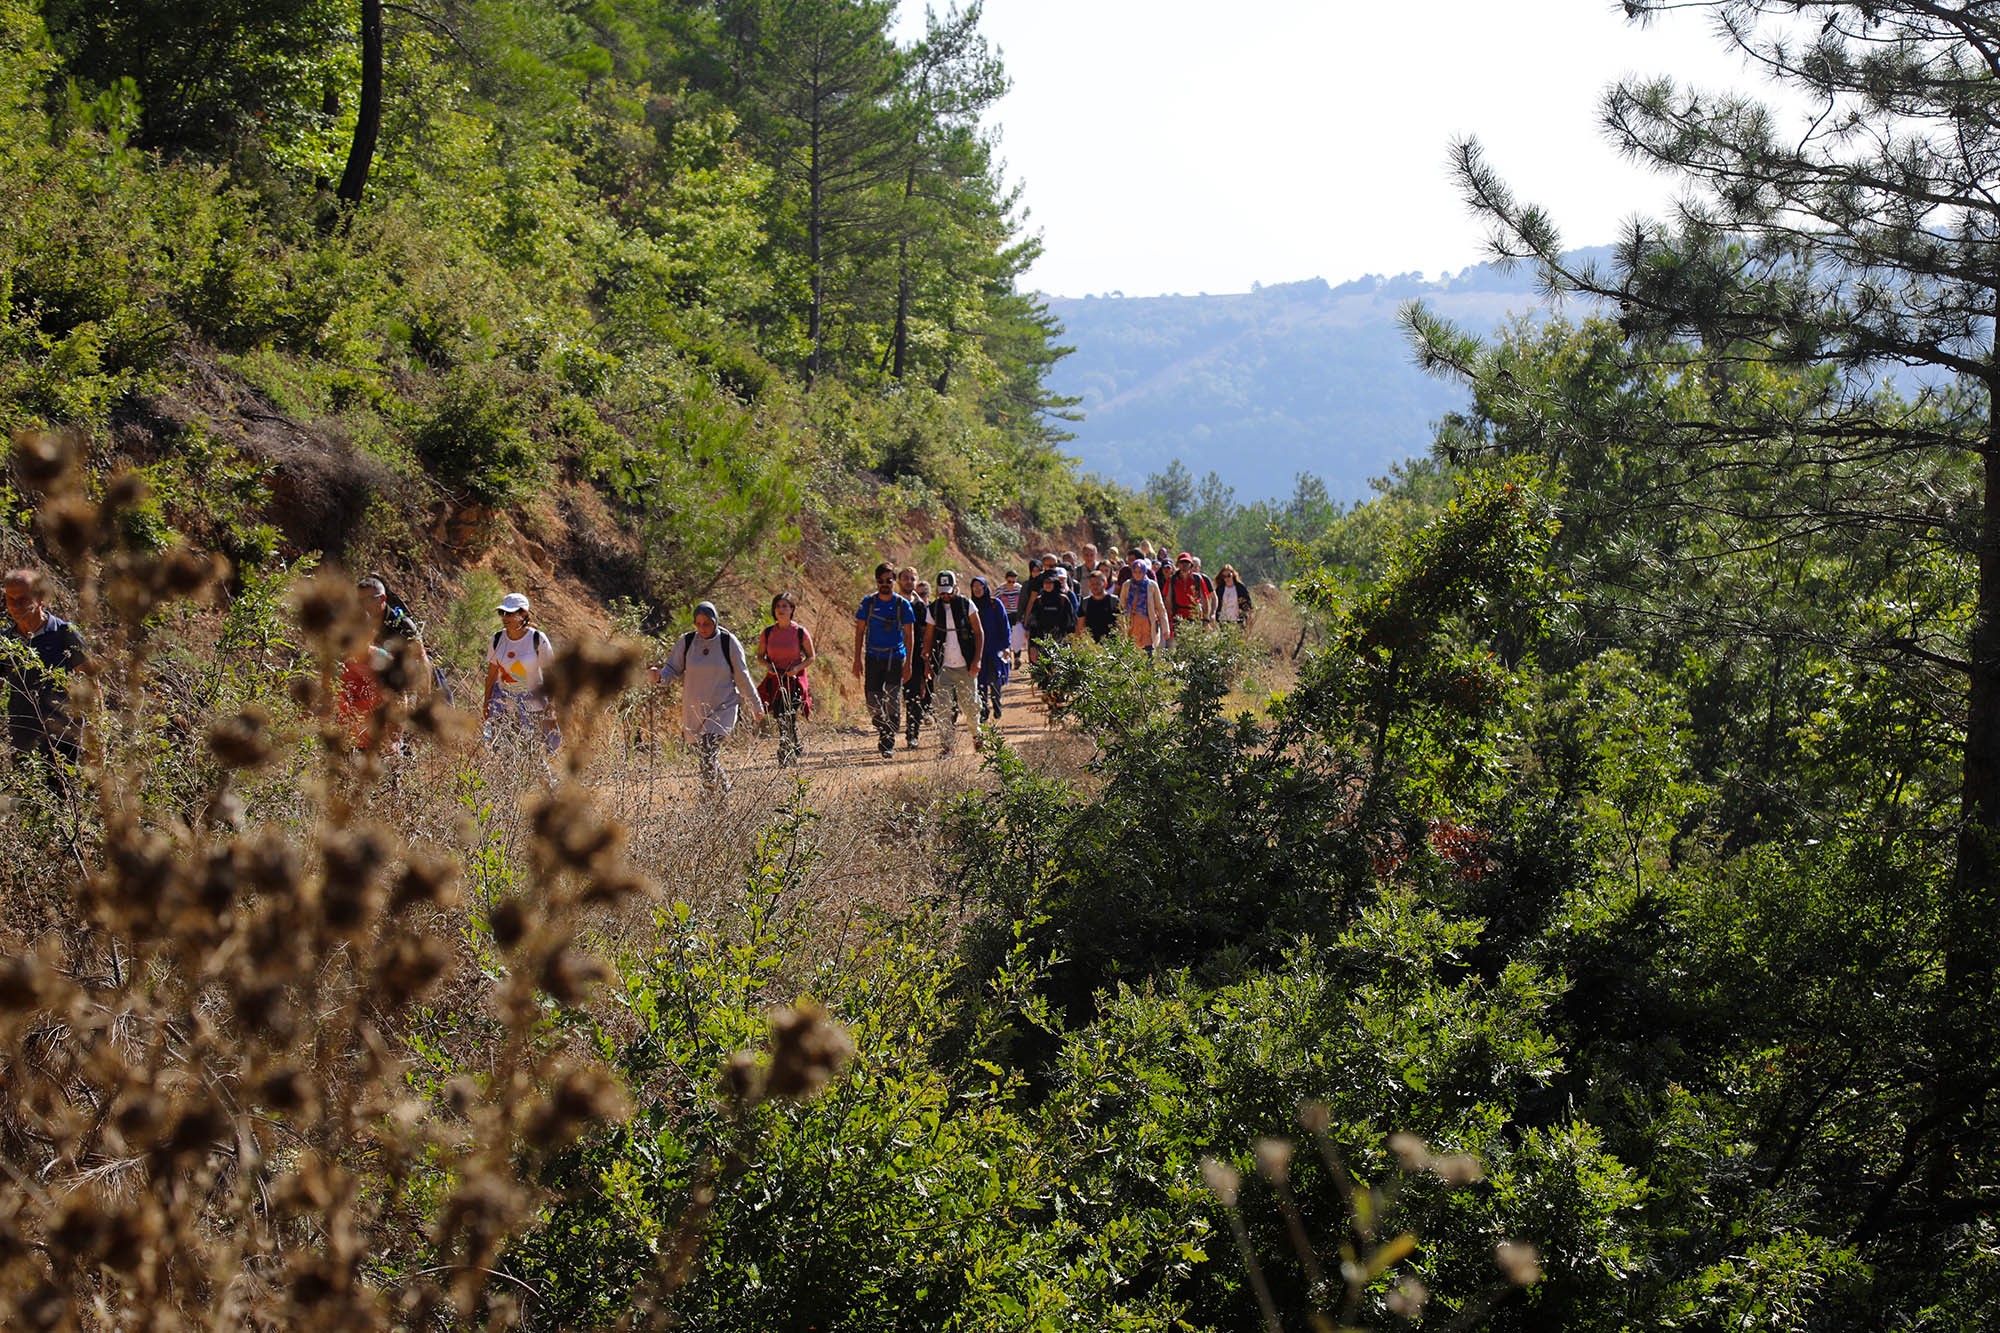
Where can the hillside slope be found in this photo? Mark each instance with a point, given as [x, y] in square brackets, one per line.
[1262, 385]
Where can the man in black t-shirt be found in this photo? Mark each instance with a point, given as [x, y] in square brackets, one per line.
[1100, 609]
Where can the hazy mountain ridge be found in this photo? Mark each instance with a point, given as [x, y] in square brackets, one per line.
[1261, 385]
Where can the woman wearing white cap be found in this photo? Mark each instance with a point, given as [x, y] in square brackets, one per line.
[515, 661]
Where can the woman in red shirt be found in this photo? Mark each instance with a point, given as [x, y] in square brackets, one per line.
[786, 649]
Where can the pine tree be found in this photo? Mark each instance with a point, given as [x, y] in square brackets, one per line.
[951, 78]
[823, 74]
[1865, 241]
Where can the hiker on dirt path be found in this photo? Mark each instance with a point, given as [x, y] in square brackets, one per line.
[1051, 617]
[786, 650]
[40, 652]
[1208, 588]
[515, 660]
[995, 629]
[1187, 595]
[1010, 595]
[1144, 605]
[1232, 599]
[917, 686]
[885, 641]
[715, 684]
[955, 644]
[1099, 613]
[393, 662]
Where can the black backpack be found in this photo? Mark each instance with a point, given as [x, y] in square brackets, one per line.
[967, 614]
[729, 643]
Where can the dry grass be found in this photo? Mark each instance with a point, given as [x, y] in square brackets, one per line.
[221, 938]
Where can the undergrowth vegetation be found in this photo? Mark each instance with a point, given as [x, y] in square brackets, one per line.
[1588, 934]
[590, 258]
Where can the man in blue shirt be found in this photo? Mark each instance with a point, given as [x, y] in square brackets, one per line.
[885, 645]
[40, 653]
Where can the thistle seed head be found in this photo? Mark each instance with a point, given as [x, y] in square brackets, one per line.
[807, 1049]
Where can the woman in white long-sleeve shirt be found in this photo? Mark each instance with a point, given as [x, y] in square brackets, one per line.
[715, 685]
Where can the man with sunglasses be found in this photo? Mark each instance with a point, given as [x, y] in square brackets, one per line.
[885, 646]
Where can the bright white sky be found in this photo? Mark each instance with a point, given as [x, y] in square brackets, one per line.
[1188, 146]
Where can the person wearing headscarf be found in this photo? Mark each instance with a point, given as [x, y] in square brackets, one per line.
[715, 685]
[995, 624]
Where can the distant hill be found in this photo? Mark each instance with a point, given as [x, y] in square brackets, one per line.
[1262, 385]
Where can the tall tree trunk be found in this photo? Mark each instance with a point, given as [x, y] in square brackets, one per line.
[815, 225]
[1964, 1042]
[368, 118]
[899, 342]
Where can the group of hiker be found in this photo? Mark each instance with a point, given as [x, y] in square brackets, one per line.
[922, 651]
[919, 655]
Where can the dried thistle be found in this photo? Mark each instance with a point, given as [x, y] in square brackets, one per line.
[1519, 1262]
[1274, 1159]
[334, 619]
[242, 740]
[807, 1049]
[742, 1082]
[580, 1098]
[1411, 1153]
[44, 458]
[1407, 1298]
[592, 669]
[427, 880]
[409, 969]
[569, 976]
[1223, 1180]
[510, 921]
[73, 527]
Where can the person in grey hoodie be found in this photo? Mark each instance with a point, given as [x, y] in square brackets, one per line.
[715, 683]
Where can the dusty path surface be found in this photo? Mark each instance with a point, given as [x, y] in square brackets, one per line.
[842, 756]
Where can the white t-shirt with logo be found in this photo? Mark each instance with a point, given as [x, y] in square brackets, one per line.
[954, 656]
[521, 661]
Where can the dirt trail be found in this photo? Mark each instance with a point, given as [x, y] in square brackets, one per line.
[842, 756]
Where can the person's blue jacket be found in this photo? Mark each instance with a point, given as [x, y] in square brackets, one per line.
[993, 624]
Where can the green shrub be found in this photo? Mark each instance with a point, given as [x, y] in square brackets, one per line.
[472, 437]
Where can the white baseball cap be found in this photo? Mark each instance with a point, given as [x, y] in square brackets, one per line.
[513, 601]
